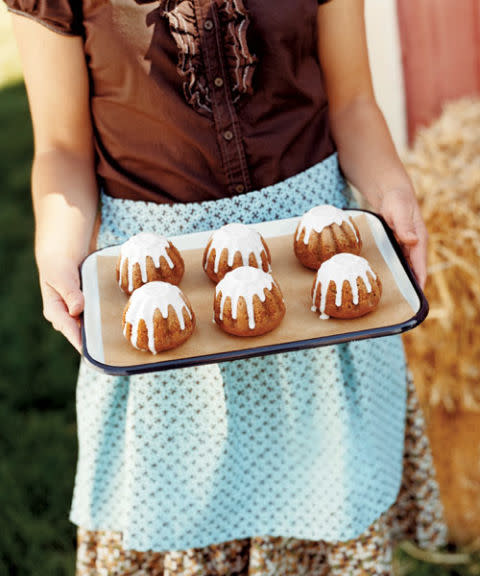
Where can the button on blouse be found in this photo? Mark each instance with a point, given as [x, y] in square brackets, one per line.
[196, 100]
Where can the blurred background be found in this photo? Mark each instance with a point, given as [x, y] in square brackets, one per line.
[425, 58]
[37, 368]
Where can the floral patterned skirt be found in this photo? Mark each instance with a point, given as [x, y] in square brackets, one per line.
[416, 515]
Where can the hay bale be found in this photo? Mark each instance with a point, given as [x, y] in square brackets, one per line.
[455, 441]
[445, 168]
[444, 352]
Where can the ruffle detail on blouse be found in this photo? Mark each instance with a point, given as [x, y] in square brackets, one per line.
[240, 62]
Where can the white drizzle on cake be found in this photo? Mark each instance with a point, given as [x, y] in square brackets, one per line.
[235, 238]
[319, 217]
[135, 251]
[148, 298]
[243, 282]
[341, 268]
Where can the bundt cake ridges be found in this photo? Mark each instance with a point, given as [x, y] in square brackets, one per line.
[320, 217]
[324, 231]
[248, 301]
[232, 246]
[154, 310]
[340, 282]
[148, 257]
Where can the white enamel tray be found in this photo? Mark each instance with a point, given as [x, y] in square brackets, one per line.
[385, 242]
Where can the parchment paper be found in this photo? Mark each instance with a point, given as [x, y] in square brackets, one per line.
[295, 281]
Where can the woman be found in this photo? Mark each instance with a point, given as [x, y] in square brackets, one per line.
[188, 114]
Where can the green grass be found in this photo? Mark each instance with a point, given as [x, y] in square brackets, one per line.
[37, 379]
[37, 367]
[411, 561]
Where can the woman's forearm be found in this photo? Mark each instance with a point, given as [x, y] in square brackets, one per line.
[366, 151]
[64, 186]
[370, 162]
[65, 200]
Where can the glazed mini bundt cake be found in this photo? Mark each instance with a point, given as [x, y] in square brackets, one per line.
[248, 302]
[322, 232]
[147, 257]
[232, 246]
[345, 287]
[157, 317]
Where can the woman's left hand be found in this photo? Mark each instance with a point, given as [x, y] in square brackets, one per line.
[366, 152]
[399, 208]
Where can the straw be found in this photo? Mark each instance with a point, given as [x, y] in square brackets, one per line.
[444, 352]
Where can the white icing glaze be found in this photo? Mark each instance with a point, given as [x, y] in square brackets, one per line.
[320, 217]
[245, 282]
[148, 298]
[137, 248]
[236, 238]
[340, 268]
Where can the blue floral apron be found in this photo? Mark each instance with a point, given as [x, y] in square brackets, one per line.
[302, 444]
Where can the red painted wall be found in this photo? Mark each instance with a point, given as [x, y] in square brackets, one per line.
[441, 54]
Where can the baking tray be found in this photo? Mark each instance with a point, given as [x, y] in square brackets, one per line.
[402, 307]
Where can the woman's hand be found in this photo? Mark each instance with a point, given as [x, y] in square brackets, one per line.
[365, 149]
[399, 208]
[62, 298]
[64, 186]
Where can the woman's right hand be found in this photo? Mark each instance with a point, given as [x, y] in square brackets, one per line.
[63, 300]
[64, 185]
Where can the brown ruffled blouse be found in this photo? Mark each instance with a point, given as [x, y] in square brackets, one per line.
[195, 100]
